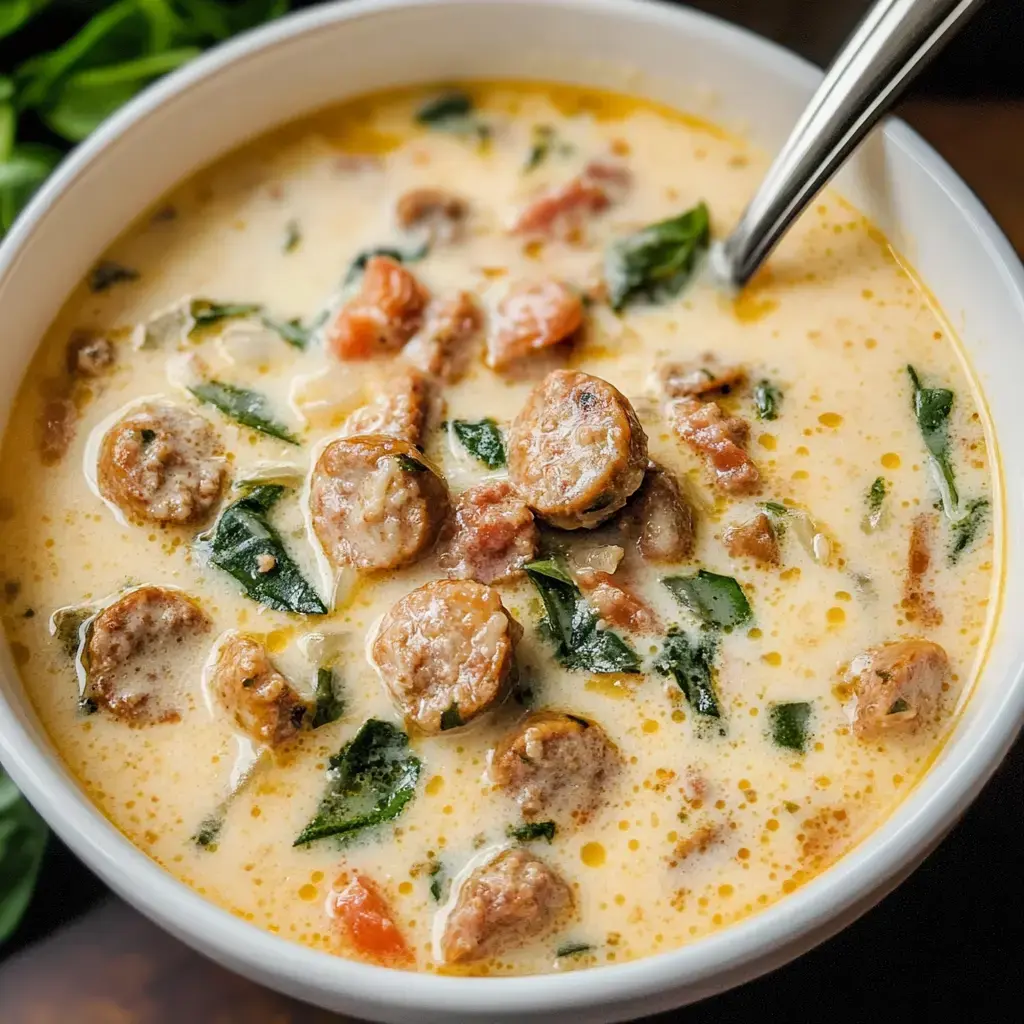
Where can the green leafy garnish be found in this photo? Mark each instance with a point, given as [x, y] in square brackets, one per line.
[238, 544]
[292, 236]
[573, 949]
[965, 532]
[789, 724]
[531, 830]
[691, 664]
[107, 273]
[482, 439]
[436, 881]
[876, 506]
[767, 398]
[359, 261]
[545, 142]
[294, 332]
[207, 313]
[450, 718]
[23, 837]
[453, 112]
[572, 625]
[715, 600]
[209, 829]
[775, 509]
[408, 463]
[932, 408]
[66, 625]
[249, 408]
[329, 703]
[655, 263]
[369, 781]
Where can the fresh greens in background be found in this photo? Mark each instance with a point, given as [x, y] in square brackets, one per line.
[22, 842]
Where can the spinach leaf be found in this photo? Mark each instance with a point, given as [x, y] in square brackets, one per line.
[249, 408]
[23, 837]
[531, 830]
[107, 273]
[453, 112]
[410, 255]
[789, 724]
[573, 949]
[767, 398]
[715, 600]
[209, 830]
[482, 439]
[409, 464]
[292, 236]
[653, 264]
[293, 332]
[450, 718]
[369, 781]
[691, 664]
[241, 535]
[876, 506]
[329, 703]
[572, 625]
[207, 313]
[966, 531]
[932, 408]
[66, 625]
[436, 881]
[545, 142]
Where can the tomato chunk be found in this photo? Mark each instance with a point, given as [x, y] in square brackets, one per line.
[366, 917]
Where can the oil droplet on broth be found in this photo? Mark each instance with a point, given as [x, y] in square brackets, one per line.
[593, 855]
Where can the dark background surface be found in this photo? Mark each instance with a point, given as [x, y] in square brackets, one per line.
[949, 941]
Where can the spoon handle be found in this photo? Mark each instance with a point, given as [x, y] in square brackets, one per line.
[892, 43]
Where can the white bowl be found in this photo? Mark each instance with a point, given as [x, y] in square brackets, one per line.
[669, 54]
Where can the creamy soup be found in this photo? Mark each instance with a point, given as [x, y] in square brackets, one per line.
[410, 549]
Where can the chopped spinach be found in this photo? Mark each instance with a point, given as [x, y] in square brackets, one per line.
[294, 332]
[482, 439]
[531, 830]
[876, 506]
[767, 398]
[572, 625]
[436, 881]
[450, 718]
[775, 509]
[329, 703]
[206, 313]
[209, 829]
[573, 949]
[932, 408]
[23, 836]
[654, 263]
[408, 463]
[66, 624]
[292, 236]
[453, 112]
[965, 531]
[789, 724]
[359, 261]
[369, 781]
[715, 600]
[545, 142]
[241, 535]
[249, 408]
[107, 273]
[691, 664]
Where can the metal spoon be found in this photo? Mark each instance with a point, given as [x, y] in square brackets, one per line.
[887, 49]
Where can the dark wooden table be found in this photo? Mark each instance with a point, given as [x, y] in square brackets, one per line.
[949, 941]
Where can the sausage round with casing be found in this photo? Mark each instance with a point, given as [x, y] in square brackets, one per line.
[576, 451]
[375, 502]
[446, 653]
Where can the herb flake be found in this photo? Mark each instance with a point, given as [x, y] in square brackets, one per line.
[453, 112]
[875, 501]
[573, 949]
[107, 273]
[482, 439]
[529, 831]
[329, 703]
[206, 313]
[767, 398]
[790, 724]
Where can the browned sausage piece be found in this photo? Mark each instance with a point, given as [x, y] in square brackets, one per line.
[532, 317]
[444, 345]
[57, 424]
[88, 355]
[662, 518]
[556, 765]
[719, 440]
[898, 687]
[679, 380]
[561, 212]
[576, 451]
[261, 701]
[446, 653]
[400, 410]
[138, 652]
[161, 463]
[615, 602]
[375, 502]
[491, 536]
[441, 214]
[754, 539]
[509, 900]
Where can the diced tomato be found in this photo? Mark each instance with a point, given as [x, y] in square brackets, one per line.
[366, 918]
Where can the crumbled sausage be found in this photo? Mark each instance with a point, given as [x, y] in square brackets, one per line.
[898, 687]
[261, 702]
[615, 602]
[491, 536]
[375, 502]
[698, 840]
[663, 519]
[88, 355]
[719, 440]
[383, 316]
[918, 600]
[446, 653]
[754, 539]
[507, 901]
[576, 451]
[161, 463]
[444, 344]
[441, 214]
[57, 424]
[692, 379]
[136, 654]
[561, 212]
[532, 317]
[556, 765]
[400, 410]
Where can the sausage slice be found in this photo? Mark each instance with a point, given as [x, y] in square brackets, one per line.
[261, 701]
[509, 900]
[719, 440]
[556, 765]
[162, 464]
[375, 502]
[446, 653]
[615, 602]
[679, 380]
[532, 317]
[439, 213]
[136, 654]
[754, 539]
[444, 344]
[400, 410]
[576, 451]
[492, 534]
[561, 212]
[662, 518]
[898, 687]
